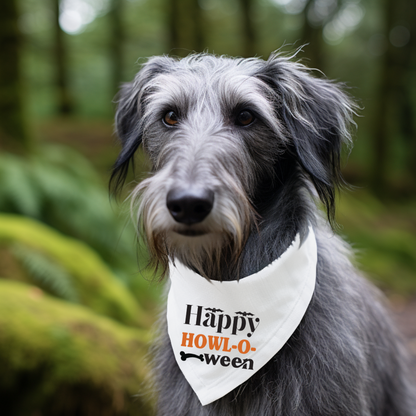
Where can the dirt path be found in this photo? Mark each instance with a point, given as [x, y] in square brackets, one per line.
[405, 316]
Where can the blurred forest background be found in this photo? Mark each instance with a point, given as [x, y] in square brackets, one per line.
[75, 305]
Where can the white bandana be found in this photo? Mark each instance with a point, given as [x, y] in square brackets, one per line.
[223, 332]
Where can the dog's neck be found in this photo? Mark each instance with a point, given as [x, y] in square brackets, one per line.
[284, 208]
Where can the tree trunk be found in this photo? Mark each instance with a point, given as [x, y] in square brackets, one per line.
[197, 16]
[13, 132]
[186, 27]
[173, 25]
[65, 104]
[116, 45]
[385, 96]
[249, 37]
[311, 36]
[408, 91]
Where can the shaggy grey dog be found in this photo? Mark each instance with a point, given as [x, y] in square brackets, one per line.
[241, 151]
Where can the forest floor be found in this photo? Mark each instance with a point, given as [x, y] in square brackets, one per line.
[404, 313]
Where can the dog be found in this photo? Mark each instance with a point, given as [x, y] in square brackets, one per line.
[242, 152]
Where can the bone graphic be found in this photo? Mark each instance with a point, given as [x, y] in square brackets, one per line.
[185, 356]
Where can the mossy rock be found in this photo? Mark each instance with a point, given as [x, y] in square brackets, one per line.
[58, 358]
[91, 280]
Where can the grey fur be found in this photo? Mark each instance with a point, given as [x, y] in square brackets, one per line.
[345, 358]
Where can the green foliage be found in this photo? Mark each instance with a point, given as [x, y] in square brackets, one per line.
[59, 187]
[62, 359]
[384, 238]
[45, 273]
[80, 271]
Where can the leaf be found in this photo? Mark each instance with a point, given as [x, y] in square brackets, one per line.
[46, 273]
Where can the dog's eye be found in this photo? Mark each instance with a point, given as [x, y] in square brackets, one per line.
[244, 118]
[170, 118]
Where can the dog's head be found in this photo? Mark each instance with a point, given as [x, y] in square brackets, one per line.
[214, 128]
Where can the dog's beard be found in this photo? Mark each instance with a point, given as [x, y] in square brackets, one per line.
[204, 247]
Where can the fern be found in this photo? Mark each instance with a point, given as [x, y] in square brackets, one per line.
[45, 273]
[59, 187]
[17, 193]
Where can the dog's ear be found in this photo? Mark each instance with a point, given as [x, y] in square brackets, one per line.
[129, 116]
[317, 116]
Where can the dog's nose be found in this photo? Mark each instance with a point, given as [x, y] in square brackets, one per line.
[189, 206]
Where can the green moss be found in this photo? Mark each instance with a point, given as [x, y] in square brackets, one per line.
[60, 188]
[50, 350]
[94, 283]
